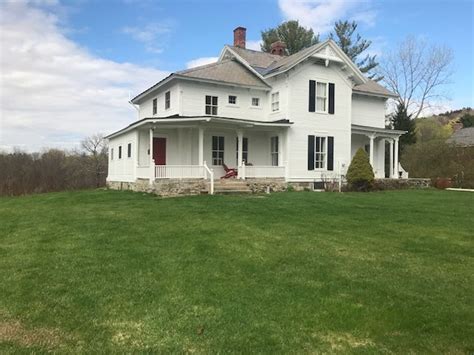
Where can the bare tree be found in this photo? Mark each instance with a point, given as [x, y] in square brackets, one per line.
[417, 72]
[96, 147]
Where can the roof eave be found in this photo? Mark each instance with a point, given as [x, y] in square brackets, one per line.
[190, 78]
[385, 96]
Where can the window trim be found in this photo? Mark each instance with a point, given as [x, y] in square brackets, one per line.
[230, 103]
[276, 93]
[275, 152]
[258, 101]
[325, 152]
[326, 97]
[211, 105]
[217, 150]
[155, 106]
[168, 100]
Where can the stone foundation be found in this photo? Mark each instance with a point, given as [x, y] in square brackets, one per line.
[399, 184]
[164, 187]
[263, 185]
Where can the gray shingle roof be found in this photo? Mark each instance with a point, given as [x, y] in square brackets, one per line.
[228, 71]
[372, 87]
[257, 59]
[464, 137]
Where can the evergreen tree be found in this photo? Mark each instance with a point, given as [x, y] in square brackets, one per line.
[401, 120]
[353, 45]
[295, 37]
[360, 174]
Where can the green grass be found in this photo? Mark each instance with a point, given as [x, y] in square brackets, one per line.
[290, 272]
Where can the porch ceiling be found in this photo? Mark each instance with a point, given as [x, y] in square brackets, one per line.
[379, 132]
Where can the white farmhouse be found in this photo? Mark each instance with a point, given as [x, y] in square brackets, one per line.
[297, 118]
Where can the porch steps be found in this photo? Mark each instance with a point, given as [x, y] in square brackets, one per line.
[231, 186]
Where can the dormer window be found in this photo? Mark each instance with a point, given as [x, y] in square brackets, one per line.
[255, 101]
[155, 106]
[167, 100]
[232, 99]
[275, 101]
[211, 105]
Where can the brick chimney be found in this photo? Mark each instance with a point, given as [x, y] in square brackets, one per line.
[239, 37]
[278, 48]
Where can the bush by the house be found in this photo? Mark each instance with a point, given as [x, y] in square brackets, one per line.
[360, 174]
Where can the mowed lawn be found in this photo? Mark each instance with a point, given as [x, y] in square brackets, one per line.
[301, 272]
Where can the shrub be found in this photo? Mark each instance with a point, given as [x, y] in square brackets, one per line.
[360, 174]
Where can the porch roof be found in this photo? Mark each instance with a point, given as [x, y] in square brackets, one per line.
[176, 119]
[379, 132]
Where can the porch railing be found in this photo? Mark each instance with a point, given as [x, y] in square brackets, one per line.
[180, 172]
[261, 171]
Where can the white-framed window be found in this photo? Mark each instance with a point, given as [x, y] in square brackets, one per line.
[167, 100]
[120, 152]
[211, 105]
[274, 150]
[232, 100]
[321, 97]
[275, 101]
[255, 101]
[217, 150]
[320, 152]
[155, 106]
[111, 153]
[245, 150]
[129, 150]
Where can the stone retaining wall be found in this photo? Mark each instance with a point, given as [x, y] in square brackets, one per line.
[399, 184]
[164, 187]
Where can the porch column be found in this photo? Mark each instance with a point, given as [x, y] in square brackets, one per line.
[240, 140]
[152, 162]
[396, 159]
[372, 137]
[201, 145]
[281, 151]
[390, 174]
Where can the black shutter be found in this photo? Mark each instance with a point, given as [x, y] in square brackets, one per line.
[310, 152]
[330, 153]
[312, 96]
[331, 98]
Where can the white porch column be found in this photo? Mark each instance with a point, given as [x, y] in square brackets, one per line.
[240, 143]
[281, 152]
[201, 145]
[152, 161]
[390, 174]
[372, 137]
[396, 159]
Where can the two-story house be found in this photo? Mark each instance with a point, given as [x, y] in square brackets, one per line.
[300, 118]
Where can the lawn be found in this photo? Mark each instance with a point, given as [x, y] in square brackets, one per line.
[291, 272]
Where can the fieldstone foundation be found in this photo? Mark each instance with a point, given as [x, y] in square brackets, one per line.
[164, 187]
[399, 184]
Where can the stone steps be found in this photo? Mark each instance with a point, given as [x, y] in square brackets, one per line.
[233, 186]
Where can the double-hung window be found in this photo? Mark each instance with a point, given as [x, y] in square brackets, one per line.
[129, 150]
[274, 150]
[321, 97]
[255, 101]
[211, 105]
[155, 106]
[232, 100]
[245, 150]
[167, 100]
[275, 101]
[120, 152]
[217, 150]
[320, 153]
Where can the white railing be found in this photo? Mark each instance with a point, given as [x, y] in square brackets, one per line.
[179, 172]
[261, 171]
[210, 173]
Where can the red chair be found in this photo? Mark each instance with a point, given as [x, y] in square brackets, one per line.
[229, 172]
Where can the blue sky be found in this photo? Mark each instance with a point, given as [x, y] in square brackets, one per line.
[72, 44]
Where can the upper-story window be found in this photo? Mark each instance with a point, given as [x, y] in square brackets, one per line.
[255, 101]
[275, 101]
[155, 106]
[211, 105]
[120, 152]
[232, 99]
[321, 97]
[167, 100]
[111, 153]
[129, 150]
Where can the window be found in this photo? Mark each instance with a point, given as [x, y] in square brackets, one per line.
[111, 153]
[321, 97]
[217, 150]
[320, 153]
[245, 150]
[120, 152]
[232, 99]
[167, 100]
[274, 150]
[129, 150]
[275, 101]
[155, 106]
[211, 105]
[255, 101]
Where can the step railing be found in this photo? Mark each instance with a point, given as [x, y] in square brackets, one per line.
[209, 173]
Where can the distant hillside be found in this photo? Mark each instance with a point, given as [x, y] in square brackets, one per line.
[452, 118]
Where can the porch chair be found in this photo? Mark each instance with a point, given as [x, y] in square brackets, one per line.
[229, 172]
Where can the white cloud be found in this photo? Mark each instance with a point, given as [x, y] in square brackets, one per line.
[54, 92]
[320, 15]
[201, 61]
[255, 45]
[153, 35]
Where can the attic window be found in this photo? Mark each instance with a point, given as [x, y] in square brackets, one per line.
[155, 106]
[255, 101]
[232, 99]
[211, 105]
[167, 100]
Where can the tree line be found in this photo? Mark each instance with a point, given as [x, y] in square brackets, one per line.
[24, 173]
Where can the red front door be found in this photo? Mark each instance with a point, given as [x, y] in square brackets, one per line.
[159, 151]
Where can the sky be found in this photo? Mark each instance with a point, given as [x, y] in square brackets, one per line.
[68, 68]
